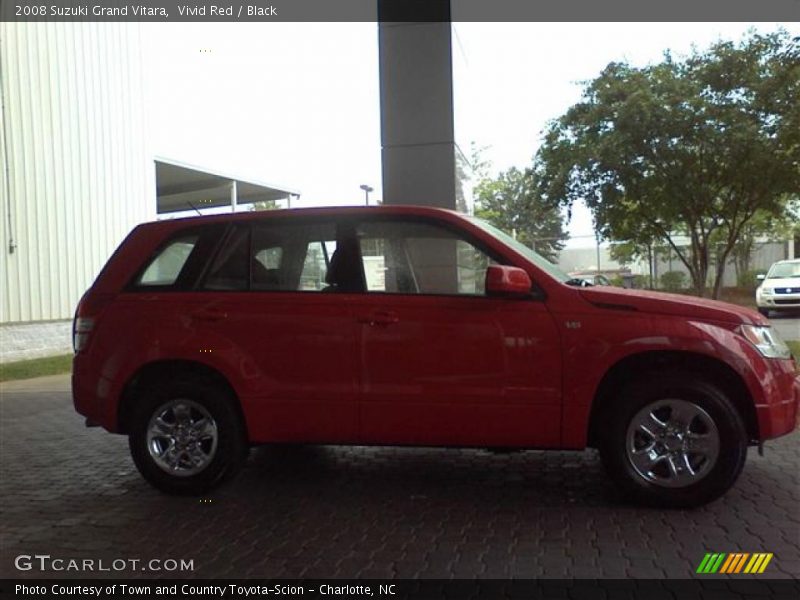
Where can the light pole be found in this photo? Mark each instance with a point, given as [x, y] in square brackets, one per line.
[597, 240]
[367, 189]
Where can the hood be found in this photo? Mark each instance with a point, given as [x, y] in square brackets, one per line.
[670, 304]
[783, 282]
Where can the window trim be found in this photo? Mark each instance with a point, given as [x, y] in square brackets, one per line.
[213, 236]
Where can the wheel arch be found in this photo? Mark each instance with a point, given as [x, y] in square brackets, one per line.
[638, 365]
[153, 371]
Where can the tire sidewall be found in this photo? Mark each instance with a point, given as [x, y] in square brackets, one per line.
[732, 436]
[230, 442]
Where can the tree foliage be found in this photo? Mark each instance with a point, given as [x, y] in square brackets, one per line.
[764, 227]
[513, 203]
[474, 168]
[673, 281]
[693, 147]
[264, 205]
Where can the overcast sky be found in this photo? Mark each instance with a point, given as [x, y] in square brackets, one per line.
[296, 104]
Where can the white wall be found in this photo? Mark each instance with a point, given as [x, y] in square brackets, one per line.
[27, 341]
[80, 173]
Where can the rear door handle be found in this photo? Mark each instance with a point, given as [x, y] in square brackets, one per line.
[383, 317]
[209, 315]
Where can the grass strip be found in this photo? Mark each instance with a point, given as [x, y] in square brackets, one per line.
[37, 367]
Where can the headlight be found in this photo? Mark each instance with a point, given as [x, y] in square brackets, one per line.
[766, 340]
[766, 291]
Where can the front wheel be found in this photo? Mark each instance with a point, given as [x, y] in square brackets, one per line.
[764, 311]
[674, 440]
[186, 436]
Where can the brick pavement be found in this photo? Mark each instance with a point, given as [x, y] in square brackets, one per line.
[72, 492]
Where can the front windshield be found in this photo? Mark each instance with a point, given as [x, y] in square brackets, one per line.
[784, 270]
[537, 259]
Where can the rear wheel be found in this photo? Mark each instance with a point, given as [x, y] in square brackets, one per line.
[673, 440]
[186, 436]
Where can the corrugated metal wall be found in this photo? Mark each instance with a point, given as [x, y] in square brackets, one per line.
[77, 173]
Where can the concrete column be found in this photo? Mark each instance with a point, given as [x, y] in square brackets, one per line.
[417, 131]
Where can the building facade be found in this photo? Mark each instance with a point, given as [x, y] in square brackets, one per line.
[77, 173]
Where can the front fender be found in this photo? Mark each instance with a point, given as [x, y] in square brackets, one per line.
[591, 352]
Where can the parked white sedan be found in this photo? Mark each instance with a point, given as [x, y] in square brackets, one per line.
[780, 288]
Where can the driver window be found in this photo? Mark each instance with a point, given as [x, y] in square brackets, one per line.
[419, 258]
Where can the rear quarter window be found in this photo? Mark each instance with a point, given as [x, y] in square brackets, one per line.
[178, 262]
[166, 266]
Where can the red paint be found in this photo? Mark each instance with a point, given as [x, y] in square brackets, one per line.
[382, 368]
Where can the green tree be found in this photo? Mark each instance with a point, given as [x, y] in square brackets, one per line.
[646, 248]
[693, 147]
[764, 227]
[474, 168]
[673, 281]
[264, 205]
[513, 203]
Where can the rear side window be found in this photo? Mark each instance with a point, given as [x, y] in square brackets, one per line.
[279, 256]
[314, 273]
[165, 268]
[292, 257]
[230, 270]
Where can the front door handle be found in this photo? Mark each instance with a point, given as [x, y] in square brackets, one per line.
[382, 317]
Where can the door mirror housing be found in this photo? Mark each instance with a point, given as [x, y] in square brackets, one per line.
[761, 277]
[507, 281]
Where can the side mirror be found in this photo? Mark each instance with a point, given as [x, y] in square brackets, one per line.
[761, 277]
[507, 281]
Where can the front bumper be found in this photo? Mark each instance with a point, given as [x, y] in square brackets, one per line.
[778, 301]
[778, 414]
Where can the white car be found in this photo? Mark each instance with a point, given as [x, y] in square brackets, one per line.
[592, 278]
[780, 288]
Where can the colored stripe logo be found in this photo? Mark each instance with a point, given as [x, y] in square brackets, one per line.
[735, 562]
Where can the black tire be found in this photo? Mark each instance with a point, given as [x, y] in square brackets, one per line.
[202, 394]
[764, 311]
[715, 477]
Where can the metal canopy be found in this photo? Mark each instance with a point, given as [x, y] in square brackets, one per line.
[181, 187]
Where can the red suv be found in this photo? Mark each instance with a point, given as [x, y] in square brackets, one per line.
[413, 326]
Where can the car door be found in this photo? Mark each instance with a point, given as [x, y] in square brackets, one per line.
[440, 362]
[266, 292]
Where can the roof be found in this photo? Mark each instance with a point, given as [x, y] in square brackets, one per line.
[181, 186]
[325, 211]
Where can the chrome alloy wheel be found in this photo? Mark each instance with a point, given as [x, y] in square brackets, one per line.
[182, 437]
[672, 443]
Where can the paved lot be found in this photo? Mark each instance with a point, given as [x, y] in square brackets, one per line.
[788, 327]
[72, 492]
